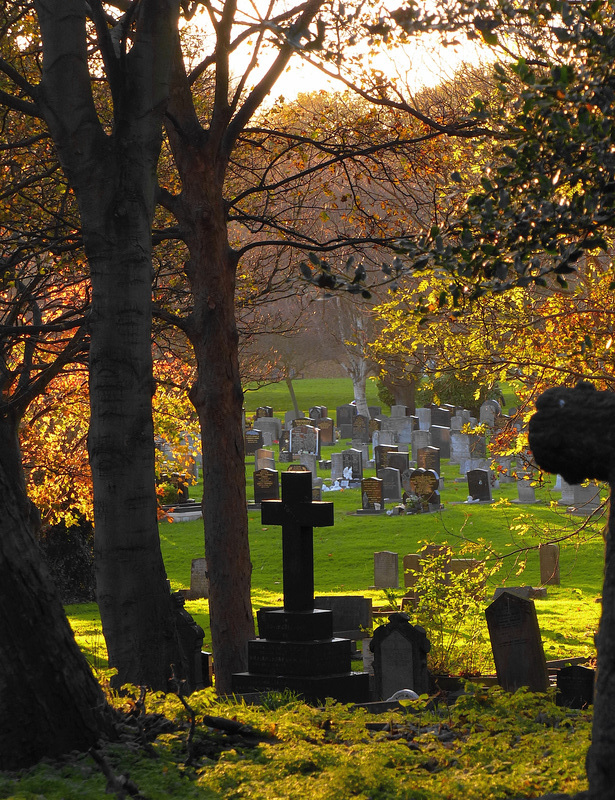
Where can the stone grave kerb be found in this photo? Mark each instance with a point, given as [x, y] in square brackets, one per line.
[298, 515]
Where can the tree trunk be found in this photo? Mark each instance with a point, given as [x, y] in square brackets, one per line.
[114, 179]
[600, 761]
[50, 703]
[293, 397]
[218, 399]
[136, 609]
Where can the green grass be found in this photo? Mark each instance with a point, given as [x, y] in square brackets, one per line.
[330, 392]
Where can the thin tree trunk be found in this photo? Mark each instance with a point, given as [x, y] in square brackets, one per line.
[217, 396]
[50, 703]
[293, 397]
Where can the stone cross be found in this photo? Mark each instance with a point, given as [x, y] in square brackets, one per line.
[298, 515]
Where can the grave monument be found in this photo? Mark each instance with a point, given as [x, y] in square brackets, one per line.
[296, 649]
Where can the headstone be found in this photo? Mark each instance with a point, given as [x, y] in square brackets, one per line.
[381, 452]
[425, 483]
[327, 430]
[309, 460]
[264, 411]
[253, 441]
[315, 413]
[424, 416]
[478, 446]
[190, 636]
[290, 416]
[526, 493]
[264, 458]
[391, 483]
[266, 485]
[352, 614]
[429, 458]
[586, 499]
[360, 429]
[343, 419]
[269, 425]
[296, 649]
[199, 583]
[380, 438]
[305, 439]
[400, 461]
[479, 485]
[441, 438]
[400, 657]
[460, 447]
[516, 644]
[549, 564]
[374, 411]
[386, 570]
[353, 458]
[441, 417]
[489, 410]
[420, 439]
[399, 411]
[337, 466]
[575, 687]
[372, 495]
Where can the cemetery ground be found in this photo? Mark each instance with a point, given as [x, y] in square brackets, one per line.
[489, 744]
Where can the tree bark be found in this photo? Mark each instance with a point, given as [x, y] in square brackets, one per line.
[218, 399]
[50, 703]
[114, 179]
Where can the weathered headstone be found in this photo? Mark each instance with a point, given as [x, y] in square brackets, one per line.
[479, 485]
[199, 583]
[516, 644]
[305, 439]
[264, 411]
[526, 493]
[296, 649]
[266, 485]
[400, 657]
[352, 614]
[386, 570]
[549, 564]
[420, 439]
[399, 411]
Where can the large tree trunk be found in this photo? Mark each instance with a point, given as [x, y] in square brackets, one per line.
[133, 595]
[50, 702]
[114, 179]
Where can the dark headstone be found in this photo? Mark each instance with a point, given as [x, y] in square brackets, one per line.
[516, 644]
[478, 446]
[352, 614]
[353, 458]
[372, 497]
[381, 452]
[575, 687]
[424, 484]
[479, 485]
[429, 458]
[441, 438]
[549, 564]
[266, 485]
[441, 416]
[400, 461]
[400, 657]
[264, 411]
[253, 441]
[360, 429]
[190, 636]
